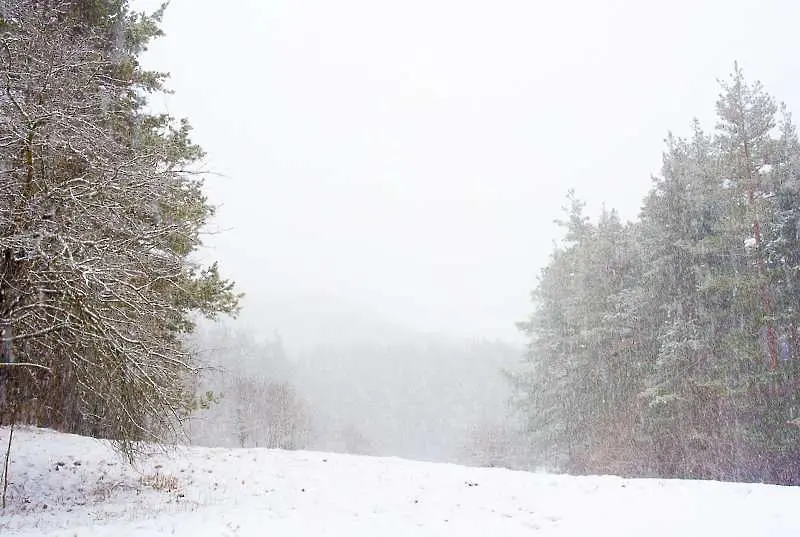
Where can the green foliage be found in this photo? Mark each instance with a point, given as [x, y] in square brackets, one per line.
[669, 346]
[100, 217]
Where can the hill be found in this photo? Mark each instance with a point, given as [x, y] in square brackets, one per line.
[64, 485]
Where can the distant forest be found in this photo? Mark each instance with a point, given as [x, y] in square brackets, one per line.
[421, 397]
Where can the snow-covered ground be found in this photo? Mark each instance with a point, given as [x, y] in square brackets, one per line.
[66, 485]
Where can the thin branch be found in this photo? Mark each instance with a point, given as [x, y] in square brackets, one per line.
[26, 364]
[5, 466]
[40, 333]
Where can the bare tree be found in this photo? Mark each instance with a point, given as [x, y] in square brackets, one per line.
[253, 412]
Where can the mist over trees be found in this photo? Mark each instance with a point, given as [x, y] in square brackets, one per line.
[250, 398]
[429, 398]
[399, 398]
[668, 346]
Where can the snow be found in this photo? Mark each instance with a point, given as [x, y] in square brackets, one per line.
[64, 485]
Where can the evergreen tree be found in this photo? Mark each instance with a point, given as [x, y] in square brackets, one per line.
[684, 247]
[672, 343]
[580, 381]
[100, 213]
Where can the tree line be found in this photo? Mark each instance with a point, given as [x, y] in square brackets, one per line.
[668, 346]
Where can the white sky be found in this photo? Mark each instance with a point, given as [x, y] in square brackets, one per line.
[411, 156]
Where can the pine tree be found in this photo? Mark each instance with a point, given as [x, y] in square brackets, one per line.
[580, 381]
[772, 426]
[689, 344]
[100, 213]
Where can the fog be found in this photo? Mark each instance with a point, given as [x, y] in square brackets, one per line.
[409, 158]
[423, 397]
[389, 173]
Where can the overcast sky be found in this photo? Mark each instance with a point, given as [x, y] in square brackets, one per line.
[411, 156]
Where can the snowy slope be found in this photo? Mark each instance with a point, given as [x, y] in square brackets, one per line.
[66, 485]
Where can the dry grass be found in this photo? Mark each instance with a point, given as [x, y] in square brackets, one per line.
[159, 481]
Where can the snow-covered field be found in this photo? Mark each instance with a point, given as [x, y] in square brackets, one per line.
[66, 485]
